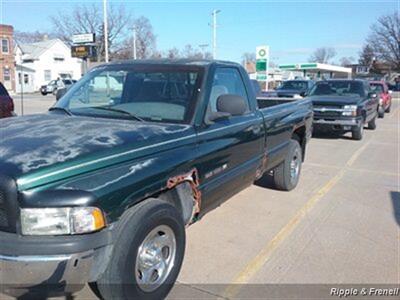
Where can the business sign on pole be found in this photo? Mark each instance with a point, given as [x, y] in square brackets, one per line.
[83, 38]
[83, 51]
[262, 59]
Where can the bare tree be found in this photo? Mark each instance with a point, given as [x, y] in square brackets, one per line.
[89, 19]
[31, 37]
[248, 57]
[322, 55]
[173, 53]
[345, 61]
[145, 41]
[385, 39]
[367, 56]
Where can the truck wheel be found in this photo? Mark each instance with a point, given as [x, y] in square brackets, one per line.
[381, 112]
[147, 255]
[358, 132]
[372, 124]
[286, 175]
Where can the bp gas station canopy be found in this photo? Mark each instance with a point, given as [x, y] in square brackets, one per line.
[317, 68]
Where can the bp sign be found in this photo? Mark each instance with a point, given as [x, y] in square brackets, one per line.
[262, 58]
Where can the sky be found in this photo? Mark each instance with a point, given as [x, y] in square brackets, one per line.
[292, 29]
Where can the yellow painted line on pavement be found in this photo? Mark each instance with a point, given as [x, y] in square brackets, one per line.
[263, 256]
[353, 169]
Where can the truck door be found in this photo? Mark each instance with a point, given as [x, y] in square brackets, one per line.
[230, 149]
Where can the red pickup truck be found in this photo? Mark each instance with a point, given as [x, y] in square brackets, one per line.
[6, 103]
[385, 97]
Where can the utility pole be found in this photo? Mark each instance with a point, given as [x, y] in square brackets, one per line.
[214, 26]
[105, 29]
[134, 43]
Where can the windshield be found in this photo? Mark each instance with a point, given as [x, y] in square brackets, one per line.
[141, 93]
[338, 88]
[293, 85]
[377, 88]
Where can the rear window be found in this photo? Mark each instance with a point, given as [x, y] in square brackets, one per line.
[293, 85]
[338, 88]
[3, 91]
[377, 87]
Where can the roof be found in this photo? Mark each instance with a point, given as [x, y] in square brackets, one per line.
[315, 67]
[19, 67]
[34, 50]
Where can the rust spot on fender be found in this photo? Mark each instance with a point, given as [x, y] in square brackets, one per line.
[193, 179]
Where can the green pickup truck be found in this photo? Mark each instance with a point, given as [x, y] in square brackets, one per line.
[99, 190]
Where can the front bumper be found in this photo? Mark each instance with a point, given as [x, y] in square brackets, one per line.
[51, 266]
[336, 124]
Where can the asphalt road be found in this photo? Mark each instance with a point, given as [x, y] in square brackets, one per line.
[341, 225]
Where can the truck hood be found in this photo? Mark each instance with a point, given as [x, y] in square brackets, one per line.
[34, 147]
[334, 100]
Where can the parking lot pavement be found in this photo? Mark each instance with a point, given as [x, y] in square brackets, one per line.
[33, 103]
[340, 225]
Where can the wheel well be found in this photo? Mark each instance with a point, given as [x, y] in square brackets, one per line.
[181, 196]
[299, 134]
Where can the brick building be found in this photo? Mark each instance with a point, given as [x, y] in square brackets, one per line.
[7, 61]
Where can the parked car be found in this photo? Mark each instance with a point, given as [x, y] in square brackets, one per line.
[6, 103]
[293, 88]
[344, 106]
[102, 187]
[384, 95]
[54, 85]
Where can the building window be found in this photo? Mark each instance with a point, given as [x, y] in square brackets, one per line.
[47, 75]
[19, 78]
[26, 78]
[5, 46]
[6, 74]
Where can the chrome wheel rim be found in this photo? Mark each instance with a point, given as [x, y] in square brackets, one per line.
[295, 167]
[155, 258]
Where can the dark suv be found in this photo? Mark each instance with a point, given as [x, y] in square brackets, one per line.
[343, 106]
[6, 103]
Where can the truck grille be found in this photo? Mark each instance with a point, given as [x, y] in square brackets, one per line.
[327, 111]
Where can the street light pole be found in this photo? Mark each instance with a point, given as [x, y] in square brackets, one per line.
[134, 43]
[214, 26]
[105, 29]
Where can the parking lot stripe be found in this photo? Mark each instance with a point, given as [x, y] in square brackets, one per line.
[263, 256]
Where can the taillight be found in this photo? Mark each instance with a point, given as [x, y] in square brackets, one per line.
[11, 104]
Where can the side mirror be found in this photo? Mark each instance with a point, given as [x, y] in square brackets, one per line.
[303, 94]
[232, 104]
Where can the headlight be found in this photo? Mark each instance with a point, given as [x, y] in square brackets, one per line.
[349, 110]
[61, 221]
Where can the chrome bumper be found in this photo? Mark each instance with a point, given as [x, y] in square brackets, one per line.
[350, 122]
[25, 274]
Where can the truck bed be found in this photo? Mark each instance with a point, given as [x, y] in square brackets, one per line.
[264, 102]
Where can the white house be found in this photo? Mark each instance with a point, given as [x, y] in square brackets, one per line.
[49, 59]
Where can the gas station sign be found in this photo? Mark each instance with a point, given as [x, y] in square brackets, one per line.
[262, 59]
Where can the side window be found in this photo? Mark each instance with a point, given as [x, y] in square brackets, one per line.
[226, 81]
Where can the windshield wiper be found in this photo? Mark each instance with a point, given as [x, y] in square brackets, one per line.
[63, 109]
[118, 110]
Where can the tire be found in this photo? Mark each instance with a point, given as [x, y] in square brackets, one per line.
[381, 112]
[139, 227]
[43, 94]
[357, 133]
[287, 174]
[388, 109]
[372, 124]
